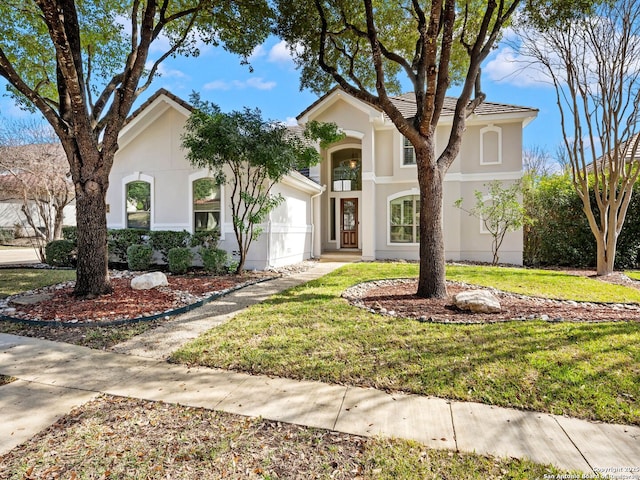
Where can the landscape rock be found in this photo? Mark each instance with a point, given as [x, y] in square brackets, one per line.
[477, 301]
[149, 281]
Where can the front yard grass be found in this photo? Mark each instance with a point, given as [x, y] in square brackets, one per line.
[16, 280]
[633, 274]
[585, 370]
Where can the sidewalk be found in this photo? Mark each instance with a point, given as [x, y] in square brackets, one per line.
[54, 376]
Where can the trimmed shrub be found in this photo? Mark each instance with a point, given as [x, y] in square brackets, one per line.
[206, 239]
[121, 239]
[60, 253]
[165, 240]
[6, 235]
[70, 233]
[139, 257]
[180, 259]
[214, 260]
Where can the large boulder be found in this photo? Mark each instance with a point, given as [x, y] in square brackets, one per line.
[149, 280]
[477, 301]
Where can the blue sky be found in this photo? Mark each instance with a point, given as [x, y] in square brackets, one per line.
[273, 87]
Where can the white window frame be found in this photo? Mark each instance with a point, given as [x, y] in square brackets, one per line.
[404, 146]
[138, 177]
[414, 192]
[198, 176]
[483, 131]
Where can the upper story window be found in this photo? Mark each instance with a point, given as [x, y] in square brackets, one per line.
[346, 170]
[206, 204]
[490, 145]
[408, 153]
[138, 199]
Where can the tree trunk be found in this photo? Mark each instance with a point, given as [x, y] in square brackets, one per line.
[432, 277]
[606, 253]
[91, 211]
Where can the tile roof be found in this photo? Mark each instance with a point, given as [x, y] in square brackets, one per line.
[406, 104]
[153, 97]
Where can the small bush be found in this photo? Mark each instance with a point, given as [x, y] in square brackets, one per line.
[165, 240]
[214, 260]
[139, 257]
[60, 253]
[70, 233]
[207, 239]
[6, 235]
[121, 239]
[180, 259]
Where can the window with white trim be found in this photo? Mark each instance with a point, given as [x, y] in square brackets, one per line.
[404, 217]
[206, 204]
[138, 204]
[490, 145]
[408, 152]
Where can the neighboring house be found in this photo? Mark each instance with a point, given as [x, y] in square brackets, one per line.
[152, 185]
[371, 203]
[362, 198]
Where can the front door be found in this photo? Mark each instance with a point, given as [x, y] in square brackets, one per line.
[349, 223]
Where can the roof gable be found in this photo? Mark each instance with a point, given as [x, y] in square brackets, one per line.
[157, 104]
[334, 95]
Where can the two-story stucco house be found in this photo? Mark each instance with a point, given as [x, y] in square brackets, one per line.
[362, 198]
[371, 201]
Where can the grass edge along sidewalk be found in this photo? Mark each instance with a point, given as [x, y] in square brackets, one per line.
[584, 370]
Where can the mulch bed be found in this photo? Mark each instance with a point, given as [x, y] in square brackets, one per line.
[397, 298]
[124, 303]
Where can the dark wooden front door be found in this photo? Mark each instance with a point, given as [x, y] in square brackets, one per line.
[349, 223]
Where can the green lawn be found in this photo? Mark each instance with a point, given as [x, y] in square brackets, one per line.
[18, 280]
[635, 275]
[543, 283]
[584, 370]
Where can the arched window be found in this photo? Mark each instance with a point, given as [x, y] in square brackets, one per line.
[138, 204]
[490, 145]
[206, 204]
[346, 170]
[404, 219]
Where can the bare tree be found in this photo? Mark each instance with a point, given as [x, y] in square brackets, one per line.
[593, 63]
[537, 162]
[36, 173]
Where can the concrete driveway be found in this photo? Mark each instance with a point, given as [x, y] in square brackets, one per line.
[18, 256]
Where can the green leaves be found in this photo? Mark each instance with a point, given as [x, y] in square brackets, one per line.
[250, 154]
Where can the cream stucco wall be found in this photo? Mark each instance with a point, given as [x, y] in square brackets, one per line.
[385, 177]
[151, 151]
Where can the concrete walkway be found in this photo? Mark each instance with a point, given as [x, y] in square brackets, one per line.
[55, 376]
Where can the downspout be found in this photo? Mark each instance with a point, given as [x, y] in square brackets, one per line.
[269, 262]
[313, 225]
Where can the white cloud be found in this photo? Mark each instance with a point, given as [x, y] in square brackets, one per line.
[281, 53]
[291, 122]
[217, 85]
[260, 84]
[508, 66]
[257, 52]
[166, 72]
[254, 82]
